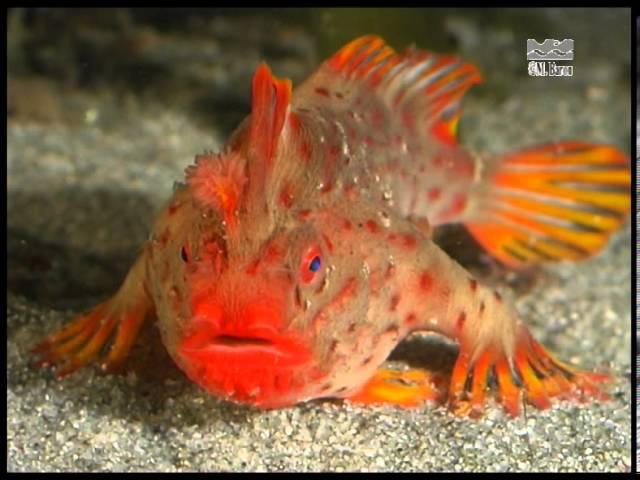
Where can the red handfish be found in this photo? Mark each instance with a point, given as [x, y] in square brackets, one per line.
[292, 263]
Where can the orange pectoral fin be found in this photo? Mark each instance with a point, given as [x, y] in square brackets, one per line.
[114, 322]
[554, 202]
[533, 375]
[80, 342]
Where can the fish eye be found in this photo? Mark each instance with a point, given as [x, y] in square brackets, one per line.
[311, 264]
[315, 264]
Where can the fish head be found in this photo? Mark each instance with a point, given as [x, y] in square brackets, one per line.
[269, 303]
[265, 302]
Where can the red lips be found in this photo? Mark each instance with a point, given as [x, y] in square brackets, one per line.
[245, 346]
[244, 354]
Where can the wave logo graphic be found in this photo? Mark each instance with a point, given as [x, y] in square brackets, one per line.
[550, 49]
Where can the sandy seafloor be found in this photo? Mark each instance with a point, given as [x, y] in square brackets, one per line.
[80, 201]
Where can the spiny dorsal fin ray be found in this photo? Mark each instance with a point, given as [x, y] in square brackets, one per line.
[218, 180]
[271, 98]
[269, 107]
[424, 88]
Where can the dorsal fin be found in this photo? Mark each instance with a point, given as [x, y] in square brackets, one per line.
[429, 85]
[270, 102]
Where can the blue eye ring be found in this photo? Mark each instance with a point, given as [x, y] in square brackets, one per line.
[315, 264]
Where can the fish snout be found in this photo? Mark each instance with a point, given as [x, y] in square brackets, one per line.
[252, 335]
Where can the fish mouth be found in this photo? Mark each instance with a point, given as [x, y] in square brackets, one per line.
[234, 344]
[234, 341]
[266, 348]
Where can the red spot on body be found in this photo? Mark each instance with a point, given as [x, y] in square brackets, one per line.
[454, 209]
[294, 124]
[392, 237]
[372, 226]
[463, 167]
[411, 318]
[426, 281]
[376, 282]
[433, 194]
[328, 242]
[164, 237]
[408, 241]
[286, 196]
[272, 254]
[173, 208]
[460, 321]
[252, 268]
[346, 224]
[473, 284]
[458, 203]
[368, 141]
[322, 91]
[391, 330]
[395, 300]
[304, 214]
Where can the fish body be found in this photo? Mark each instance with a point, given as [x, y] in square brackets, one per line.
[292, 262]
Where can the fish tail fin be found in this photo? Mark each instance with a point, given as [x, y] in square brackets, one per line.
[553, 202]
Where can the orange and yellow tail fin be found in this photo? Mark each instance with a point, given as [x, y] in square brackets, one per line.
[553, 202]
